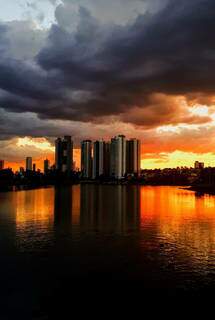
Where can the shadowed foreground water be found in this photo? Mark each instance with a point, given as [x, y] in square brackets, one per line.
[57, 239]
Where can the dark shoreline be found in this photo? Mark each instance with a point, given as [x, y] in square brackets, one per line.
[199, 189]
[202, 189]
[16, 188]
[24, 188]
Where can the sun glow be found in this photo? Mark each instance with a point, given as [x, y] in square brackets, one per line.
[39, 143]
[199, 110]
[171, 129]
[177, 159]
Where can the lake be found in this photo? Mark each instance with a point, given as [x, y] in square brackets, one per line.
[54, 240]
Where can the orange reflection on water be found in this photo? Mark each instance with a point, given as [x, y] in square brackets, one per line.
[76, 204]
[163, 215]
[35, 206]
[181, 218]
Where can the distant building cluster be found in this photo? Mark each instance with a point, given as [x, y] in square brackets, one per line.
[199, 165]
[115, 158]
[1, 164]
[106, 162]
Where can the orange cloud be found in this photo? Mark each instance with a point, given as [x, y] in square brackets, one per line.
[163, 109]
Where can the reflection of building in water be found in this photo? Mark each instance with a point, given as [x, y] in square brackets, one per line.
[108, 208]
[7, 215]
[63, 205]
[67, 205]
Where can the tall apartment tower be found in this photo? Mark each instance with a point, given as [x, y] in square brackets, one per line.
[118, 157]
[98, 154]
[113, 156]
[1, 165]
[46, 165]
[107, 146]
[67, 154]
[64, 154]
[86, 159]
[101, 159]
[133, 151]
[58, 154]
[29, 165]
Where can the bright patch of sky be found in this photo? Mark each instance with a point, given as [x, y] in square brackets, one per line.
[40, 11]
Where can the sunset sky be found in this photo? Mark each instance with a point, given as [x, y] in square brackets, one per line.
[97, 68]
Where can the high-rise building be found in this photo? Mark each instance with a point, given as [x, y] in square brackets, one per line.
[101, 159]
[107, 159]
[86, 159]
[113, 152]
[118, 157]
[97, 154]
[64, 154]
[34, 167]
[133, 147]
[28, 164]
[1, 164]
[58, 154]
[67, 148]
[46, 165]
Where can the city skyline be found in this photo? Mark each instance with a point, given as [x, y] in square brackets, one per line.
[72, 159]
[90, 69]
[114, 158]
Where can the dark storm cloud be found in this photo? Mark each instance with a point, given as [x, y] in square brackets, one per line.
[101, 69]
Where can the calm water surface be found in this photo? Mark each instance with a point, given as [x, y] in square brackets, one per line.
[53, 239]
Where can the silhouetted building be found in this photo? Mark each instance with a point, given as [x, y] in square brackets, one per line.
[118, 157]
[107, 159]
[86, 159]
[58, 154]
[64, 154]
[1, 164]
[101, 159]
[63, 208]
[97, 155]
[199, 165]
[46, 165]
[34, 167]
[113, 155]
[133, 156]
[22, 170]
[28, 164]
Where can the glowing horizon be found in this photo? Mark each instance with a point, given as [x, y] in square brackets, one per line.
[156, 161]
